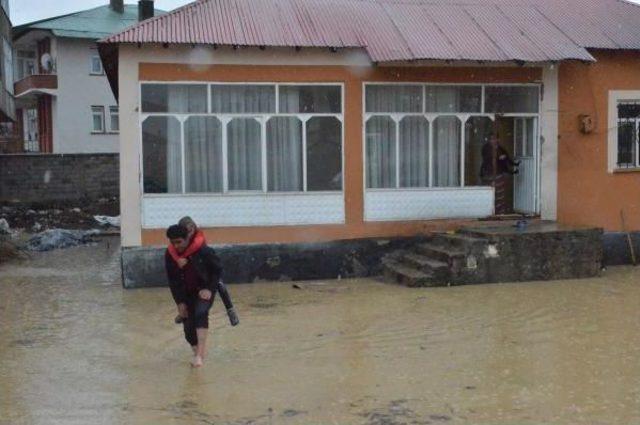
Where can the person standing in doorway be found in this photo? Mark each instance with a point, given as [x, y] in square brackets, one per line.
[496, 166]
[193, 289]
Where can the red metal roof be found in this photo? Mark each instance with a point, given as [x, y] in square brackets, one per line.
[399, 30]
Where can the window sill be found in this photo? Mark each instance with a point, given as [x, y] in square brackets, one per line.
[626, 170]
[96, 75]
[239, 194]
[97, 133]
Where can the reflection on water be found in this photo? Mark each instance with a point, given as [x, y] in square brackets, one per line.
[77, 349]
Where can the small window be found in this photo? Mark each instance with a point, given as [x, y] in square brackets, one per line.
[394, 98]
[628, 126]
[243, 99]
[453, 98]
[97, 113]
[512, 99]
[310, 99]
[96, 64]
[175, 98]
[114, 119]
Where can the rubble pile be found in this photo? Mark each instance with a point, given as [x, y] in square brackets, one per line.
[38, 218]
[60, 238]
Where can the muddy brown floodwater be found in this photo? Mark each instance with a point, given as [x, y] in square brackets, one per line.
[77, 349]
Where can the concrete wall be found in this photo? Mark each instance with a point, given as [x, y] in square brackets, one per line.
[589, 193]
[57, 178]
[78, 90]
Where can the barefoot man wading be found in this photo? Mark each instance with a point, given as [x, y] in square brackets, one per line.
[193, 287]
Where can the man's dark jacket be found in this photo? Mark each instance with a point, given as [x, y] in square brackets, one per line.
[207, 266]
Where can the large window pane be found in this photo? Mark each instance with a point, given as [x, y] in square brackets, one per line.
[530, 135]
[414, 152]
[324, 154]
[446, 151]
[203, 154]
[244, 154]
[161, 153]
[511, 99]
[178, 98]
[627, 143]
[381, 152]
[284, 154]
[393, 98]
[453, 98]
[478, 134]
[243, 98]
[310, 99]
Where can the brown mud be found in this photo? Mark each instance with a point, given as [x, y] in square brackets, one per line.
[78, 349]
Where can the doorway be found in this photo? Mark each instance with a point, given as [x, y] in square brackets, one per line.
[518, 136]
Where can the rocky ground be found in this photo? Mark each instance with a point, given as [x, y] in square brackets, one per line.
[50, 226]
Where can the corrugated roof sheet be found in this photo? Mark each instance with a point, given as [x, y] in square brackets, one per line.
[95, 23]
[399, 30]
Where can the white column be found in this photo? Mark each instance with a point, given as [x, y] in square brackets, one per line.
[130, 149]
[548, 194]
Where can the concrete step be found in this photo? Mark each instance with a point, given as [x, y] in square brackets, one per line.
[408, 276]
[440, 253]
[458, 240]
[424, 263]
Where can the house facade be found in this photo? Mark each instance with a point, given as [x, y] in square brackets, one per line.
[64, 103]
[306, 123]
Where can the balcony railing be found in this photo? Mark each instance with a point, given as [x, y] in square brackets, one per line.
[43, 83]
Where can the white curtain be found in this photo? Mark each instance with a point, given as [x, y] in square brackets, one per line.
[381, 152]
[161, 155]
[174, 156]
[284, 154]
[446, 147]
[244, 154]
[414, 152]
[393, 98]
[453, 98]
[238, 99]
[203, 154]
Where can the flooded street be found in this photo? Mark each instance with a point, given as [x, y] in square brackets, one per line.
[78, 349]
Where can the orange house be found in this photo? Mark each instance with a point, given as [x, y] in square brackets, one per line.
[297, 121]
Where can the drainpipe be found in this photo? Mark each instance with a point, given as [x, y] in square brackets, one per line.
[145, 9]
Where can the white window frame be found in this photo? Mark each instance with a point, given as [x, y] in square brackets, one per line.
[111, 115]
[102, 118]
[431, 117]
[24, 63]
[262, 118]
[615, 98]
[92, 70]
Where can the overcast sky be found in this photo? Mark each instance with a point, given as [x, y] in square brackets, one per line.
[23, 11]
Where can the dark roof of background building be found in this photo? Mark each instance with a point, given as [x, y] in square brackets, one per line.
[93, 23]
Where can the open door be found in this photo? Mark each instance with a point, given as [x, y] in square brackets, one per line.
[525, 138]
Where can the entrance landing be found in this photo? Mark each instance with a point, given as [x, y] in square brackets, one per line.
[499, 253]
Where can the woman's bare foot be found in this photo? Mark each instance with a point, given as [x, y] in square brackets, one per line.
[197, 361]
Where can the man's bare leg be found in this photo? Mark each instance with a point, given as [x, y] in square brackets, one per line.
[201, 347]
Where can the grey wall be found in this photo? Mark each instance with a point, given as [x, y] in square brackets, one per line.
[78, 90]
[35, 178]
